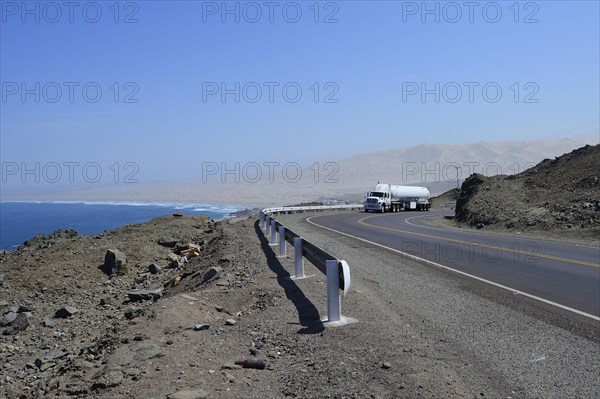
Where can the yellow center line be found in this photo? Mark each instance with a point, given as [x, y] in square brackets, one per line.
[478, 244]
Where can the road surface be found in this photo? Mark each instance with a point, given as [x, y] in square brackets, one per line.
[560, 273]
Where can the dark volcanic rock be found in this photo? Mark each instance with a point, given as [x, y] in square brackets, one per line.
[211, 274]
[144, 295]
[115, 262]
[169, 242]
[65, 312]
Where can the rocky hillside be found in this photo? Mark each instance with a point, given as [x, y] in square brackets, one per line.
[76, 309]
[446, 200]
[561, 194]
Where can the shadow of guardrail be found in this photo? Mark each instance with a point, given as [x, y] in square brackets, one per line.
[308, 315]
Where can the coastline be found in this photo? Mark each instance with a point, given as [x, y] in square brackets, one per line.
[24, 220]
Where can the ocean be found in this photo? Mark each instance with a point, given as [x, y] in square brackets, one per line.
[20, 221]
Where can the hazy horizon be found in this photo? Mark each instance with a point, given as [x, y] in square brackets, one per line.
[435, 166]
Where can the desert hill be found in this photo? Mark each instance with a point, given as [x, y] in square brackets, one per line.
[558, 194]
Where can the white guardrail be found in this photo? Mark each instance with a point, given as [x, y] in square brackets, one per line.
[336, 270]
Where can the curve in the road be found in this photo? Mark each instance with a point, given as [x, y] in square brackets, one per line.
[569, 282]
[479, 244]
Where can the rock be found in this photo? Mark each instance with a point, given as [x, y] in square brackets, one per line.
[386, 365]
[480, 225]
[8, 318]
[200, 327]
[115, 262]
[189, 394]
[48, 323]
[231, 322]
[230, 366]
[132, 313]
[65, 312]
[108, 378]
[173, 261]
[24, 308]
[47, 365]
[141, 278]
[154, 268]
[173, 282]
[145, 295]
[105, 301]
[169, 242]
[20, 323]
[211, 274]
[229, 377]
[252, 364]
[78, 389]
[134, 353]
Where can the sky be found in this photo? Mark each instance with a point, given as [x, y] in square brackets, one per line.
[153, 90]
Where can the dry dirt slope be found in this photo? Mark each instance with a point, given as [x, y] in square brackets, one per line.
[561, 194]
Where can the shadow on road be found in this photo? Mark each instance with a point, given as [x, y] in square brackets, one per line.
[308, 314]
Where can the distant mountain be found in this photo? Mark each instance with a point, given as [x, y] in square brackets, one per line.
[432, 165]
[429, 164]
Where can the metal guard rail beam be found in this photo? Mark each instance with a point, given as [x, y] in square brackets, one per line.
[336, 270]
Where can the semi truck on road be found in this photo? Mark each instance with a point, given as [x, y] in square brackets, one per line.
[393, 198]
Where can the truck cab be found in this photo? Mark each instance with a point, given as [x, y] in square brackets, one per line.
[377, 201]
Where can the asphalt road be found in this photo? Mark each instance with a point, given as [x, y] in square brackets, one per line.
[564, 274]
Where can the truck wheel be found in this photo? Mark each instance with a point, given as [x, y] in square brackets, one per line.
[382, 208]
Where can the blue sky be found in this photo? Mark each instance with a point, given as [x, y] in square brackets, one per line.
[361, 68]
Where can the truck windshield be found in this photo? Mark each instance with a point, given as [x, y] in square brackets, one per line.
[376, 194]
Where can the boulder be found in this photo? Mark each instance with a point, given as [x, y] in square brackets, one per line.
[115, 262]
[169, 242]
[8, 318]
[211, 274]
[65, 312]
[20, 323]
[145, 295]
[108, 378]
[154, 268]
[132, 313]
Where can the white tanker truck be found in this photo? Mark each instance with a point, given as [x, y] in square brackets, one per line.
[391, 198]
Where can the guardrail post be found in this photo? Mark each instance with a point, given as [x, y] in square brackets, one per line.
[334, 309]
[298, 259]
[273, 231]
[282, 241]
[262, 220]
[268, 225]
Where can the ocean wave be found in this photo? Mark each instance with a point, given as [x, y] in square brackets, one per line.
[194, 207]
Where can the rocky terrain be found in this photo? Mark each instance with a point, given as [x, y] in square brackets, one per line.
[185, 307]
[68, 302]
[557, 195]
